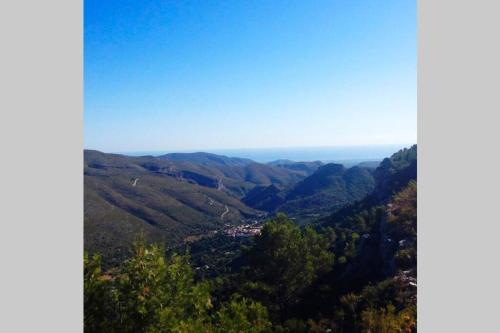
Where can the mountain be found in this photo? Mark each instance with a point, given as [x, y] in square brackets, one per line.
[171, 198]
[238, 175]
[382, 229]
[166, 202]
[394, 173]
[392, 176]
[281, 162]
[305, 168]
[329, 187]
[207, 159]
[266, 198]
[369, 164]
[168, 198]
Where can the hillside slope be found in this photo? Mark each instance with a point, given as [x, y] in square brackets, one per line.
[127, 196]
[238, 174]
[305, 168]
[392, 176]
[329, 187]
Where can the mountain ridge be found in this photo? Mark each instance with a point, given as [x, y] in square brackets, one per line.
[170, 198]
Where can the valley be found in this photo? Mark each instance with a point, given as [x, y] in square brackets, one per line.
[174, 197]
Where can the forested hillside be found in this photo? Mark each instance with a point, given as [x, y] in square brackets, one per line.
[330, 187]
[393, 174]
[237, 174]
[354, 271]
[306, 168]
[164, 201]
[183, 196]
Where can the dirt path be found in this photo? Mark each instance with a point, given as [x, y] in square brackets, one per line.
[225, 212]
[211, 201]
[220, 185]
[135, 182]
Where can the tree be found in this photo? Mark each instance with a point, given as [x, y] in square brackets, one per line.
[402, 212]
[151, 293]
[242, 315]
[387, 320]
[350, 309]
[97, 300]
[159, 295]
[284, 260]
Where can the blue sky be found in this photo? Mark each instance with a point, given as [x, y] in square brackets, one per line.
[184, 75]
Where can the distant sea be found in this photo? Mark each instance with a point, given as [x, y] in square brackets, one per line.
[324, 154]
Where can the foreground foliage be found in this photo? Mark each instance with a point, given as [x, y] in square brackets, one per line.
[151, 293]
[284, 261]
[289, 282]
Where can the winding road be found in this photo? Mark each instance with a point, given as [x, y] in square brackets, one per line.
[225, 212]
[213, 202]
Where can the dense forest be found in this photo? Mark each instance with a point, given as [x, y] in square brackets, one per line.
[352, 270]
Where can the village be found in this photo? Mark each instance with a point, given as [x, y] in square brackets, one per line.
[243, 230]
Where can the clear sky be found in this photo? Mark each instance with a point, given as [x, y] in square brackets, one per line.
[183, 75]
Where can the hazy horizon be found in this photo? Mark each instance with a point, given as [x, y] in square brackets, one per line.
[315, 153]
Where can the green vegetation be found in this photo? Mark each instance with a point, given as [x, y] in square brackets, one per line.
[175, 196]
[352, 272]
[283, 261]
[288, 282]
[395, 172]
[266, 198]
[306, 168]
[331, 186]
[125, 196]
[238, 173]
[151, 293]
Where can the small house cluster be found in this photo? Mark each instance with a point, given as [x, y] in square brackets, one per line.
[244, 230]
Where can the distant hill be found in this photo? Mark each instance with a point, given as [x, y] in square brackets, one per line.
[305, 168]
[167, 198]
[394, 173]
[237, 174]
[207, 159]
[329, 187]
[166, 202]
[267, 198]
[369, 164]
[175, 196]
[281, 162]
[333, 186]
[392, 176]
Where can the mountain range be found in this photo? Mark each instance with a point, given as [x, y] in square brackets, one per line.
[172, 197]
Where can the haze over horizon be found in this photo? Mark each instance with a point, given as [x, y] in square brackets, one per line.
[162, 75]
[298, 154]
